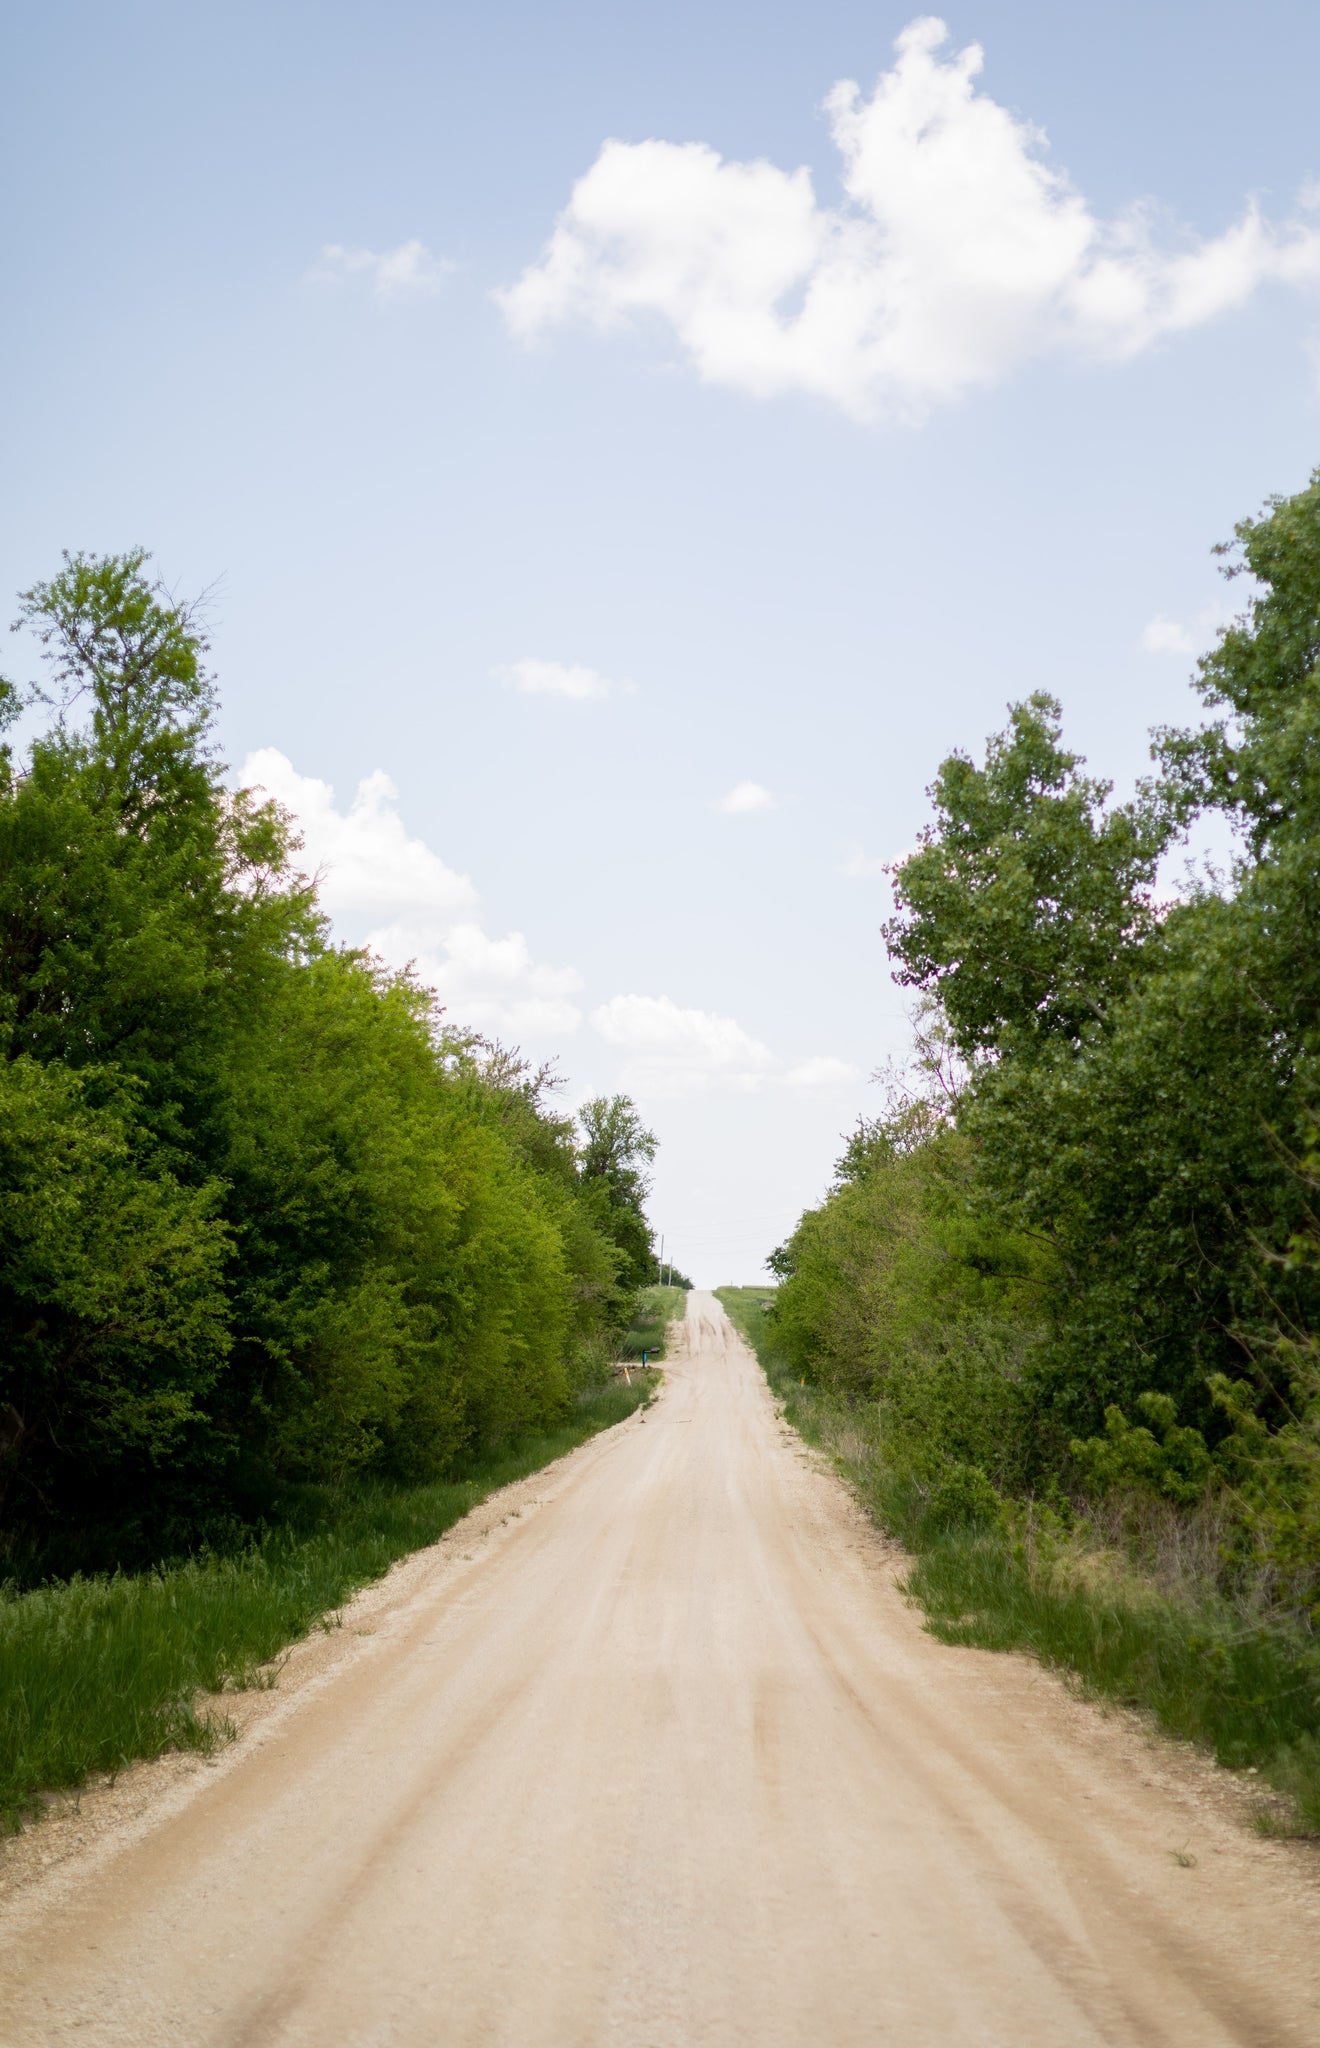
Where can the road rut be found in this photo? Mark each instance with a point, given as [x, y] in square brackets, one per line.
[665, 1761]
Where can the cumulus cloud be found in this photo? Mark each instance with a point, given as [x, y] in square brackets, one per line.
[669, 1050]
[391, 890]
[959, 251]
[745, 798]
[492, 984]
[410, 271]
[554, 679]
[367, 861]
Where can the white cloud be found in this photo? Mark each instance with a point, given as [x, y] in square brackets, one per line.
[860, 866]
[672, 1051]
[820, 1072]
[396, 894]
[410, 271]
[491, 984]
[745, 798]
[555, 679]
[367, 861]
[959, 252]
[1166, 636]
[1172, 636]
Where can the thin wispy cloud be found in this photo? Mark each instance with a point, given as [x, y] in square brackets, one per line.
[409, 271]
[558, 679]
[822, 1071]
[1167, 636]
[669, 1050]
[1163, 635]
[960, 252]
[860, 866]
[745, 799]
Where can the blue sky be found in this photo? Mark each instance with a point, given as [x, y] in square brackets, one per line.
[752, 482]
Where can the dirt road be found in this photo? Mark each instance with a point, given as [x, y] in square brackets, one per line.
[663, 1760]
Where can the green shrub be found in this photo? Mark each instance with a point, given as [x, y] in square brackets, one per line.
[1167, 1460]
[961, 1497]
[965, 1400]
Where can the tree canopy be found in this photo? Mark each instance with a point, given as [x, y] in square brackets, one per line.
[265, 1214]
[1111, 1216]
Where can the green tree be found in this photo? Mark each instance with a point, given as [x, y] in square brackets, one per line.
[139, 918]
[113, 1317]
[263, 1215]
[141, 907]
[1025, 903]
[1138, 1077]
[614, 1151]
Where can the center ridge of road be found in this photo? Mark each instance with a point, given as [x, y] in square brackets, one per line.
[663, 1759]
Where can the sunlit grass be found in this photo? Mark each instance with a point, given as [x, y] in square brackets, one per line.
[746, 1308]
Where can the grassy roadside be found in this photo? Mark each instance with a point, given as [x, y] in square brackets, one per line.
[656, 1308]
[747, 1309]
[95, 1673]
[1119, 1602]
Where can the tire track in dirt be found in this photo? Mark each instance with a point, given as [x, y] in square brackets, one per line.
[651, 1753]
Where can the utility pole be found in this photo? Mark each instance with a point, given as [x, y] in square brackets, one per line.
[662, 1258]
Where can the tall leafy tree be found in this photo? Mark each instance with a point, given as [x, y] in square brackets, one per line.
[1141, 1076]
[1026, 901]
[263, 1215]
[614, 1152]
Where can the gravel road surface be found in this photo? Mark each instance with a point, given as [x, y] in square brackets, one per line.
[650, 1752]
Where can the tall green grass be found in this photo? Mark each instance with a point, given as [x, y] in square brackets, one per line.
[97, 1672]
[1063, 1587]
[1244, 1690]
[748, 1310]
[656, 1308]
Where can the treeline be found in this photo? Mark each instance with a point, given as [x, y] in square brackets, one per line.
[266, 1216]
[1074, 1270]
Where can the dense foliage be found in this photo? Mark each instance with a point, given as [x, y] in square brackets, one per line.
[265, 1216]
[1087, 1266]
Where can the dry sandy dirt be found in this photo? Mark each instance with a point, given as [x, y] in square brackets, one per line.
[650, 1752]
